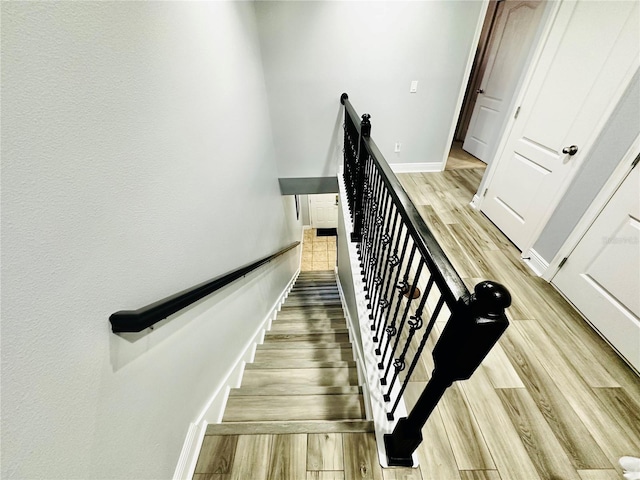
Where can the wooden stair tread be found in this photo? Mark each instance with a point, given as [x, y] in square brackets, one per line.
[288, 364]
[308, 337]
[303, 328]
[300, 407]
[303, 345]
[330, 376]
[279, 427]
[319, 354]
[329, 322]
[284, 389]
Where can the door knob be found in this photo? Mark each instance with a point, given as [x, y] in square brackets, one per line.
[480, 90]
[572, 150]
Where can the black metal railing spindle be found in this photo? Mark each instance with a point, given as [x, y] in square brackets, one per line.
[383, 252]
[391, 261]
[390, 326]
[403, 320]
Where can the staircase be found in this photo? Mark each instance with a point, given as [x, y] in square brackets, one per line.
[303, 378]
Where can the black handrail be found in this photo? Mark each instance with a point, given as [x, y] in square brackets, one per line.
[138, 320]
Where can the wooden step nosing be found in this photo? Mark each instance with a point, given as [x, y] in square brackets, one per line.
[295, 390]
[280, 427]
[304, 345]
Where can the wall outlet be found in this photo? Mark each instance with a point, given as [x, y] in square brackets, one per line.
[397, 147]
[414, 86]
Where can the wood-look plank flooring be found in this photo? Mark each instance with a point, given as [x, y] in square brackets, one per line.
[552, 401]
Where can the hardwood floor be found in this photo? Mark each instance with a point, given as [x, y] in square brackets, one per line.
[552, 401]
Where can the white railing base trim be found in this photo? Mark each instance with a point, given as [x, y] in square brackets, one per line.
[382, 426]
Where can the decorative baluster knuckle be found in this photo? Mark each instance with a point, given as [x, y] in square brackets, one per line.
[415, 322]
[399, 364]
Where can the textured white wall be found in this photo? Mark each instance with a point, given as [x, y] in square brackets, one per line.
[315, 50]
[137, 160]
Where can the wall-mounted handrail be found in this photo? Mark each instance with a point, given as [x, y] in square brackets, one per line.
[145, 317]
[410, 284]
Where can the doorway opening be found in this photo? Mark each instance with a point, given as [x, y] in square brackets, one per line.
[504, 45]
[320, 222]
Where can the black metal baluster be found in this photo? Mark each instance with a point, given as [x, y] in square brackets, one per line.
[372, 243]
[374, 280]
[383, 303]
[395, 261]
[390, 328]
[365, 131]
[384, 244]
[367, 241]
[403, 320]
[366, 199]
[370, 207]
[415, 324]
[416, 357]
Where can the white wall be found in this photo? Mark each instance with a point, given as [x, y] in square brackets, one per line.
[313, 51]
[137, 160]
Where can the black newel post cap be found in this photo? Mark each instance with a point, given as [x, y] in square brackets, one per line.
[365, 125]
[491, 298]
[343, 97]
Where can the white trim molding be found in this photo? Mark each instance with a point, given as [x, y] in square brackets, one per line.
[190, 451]
[475, 202]
[416, 167]
[214, 407]
[358, 356]
[535, 262]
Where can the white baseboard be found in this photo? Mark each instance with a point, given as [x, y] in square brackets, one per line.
[190, 451]
[535, 262]
[475, 202]
[357, 352]
[214, 408]
[416, 167]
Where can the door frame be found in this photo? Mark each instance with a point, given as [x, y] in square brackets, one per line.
[618, 176]
[549, 22]
[467, 78]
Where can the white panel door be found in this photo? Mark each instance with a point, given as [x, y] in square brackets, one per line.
[323, 210]
[511, 38]
[587, 60]
[602, 275]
